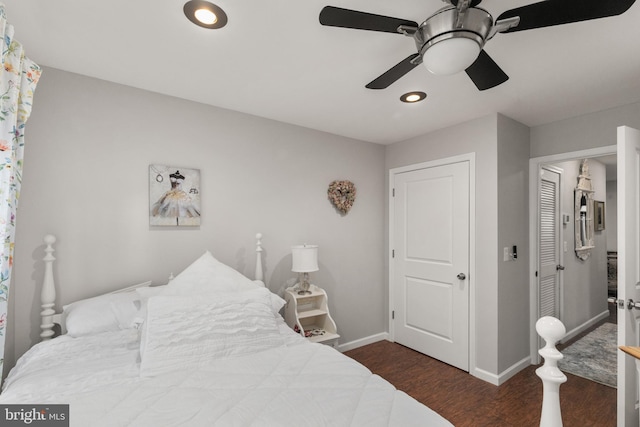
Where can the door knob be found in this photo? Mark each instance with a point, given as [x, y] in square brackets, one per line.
[559, 267]
[461, 276]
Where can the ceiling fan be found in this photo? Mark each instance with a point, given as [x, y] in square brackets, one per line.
[453, 38]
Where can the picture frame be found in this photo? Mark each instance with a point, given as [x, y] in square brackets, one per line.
[598, 215]
[174, 196]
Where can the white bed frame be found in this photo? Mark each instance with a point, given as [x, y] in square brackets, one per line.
[549, 328]
[48, 295]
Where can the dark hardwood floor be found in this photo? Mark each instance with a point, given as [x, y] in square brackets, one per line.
[468, 401]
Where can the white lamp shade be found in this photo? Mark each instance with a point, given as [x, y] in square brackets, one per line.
[305, 258]
[450, 56]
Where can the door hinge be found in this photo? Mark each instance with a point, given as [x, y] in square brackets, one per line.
[393, 314]
[393, 192]
[393, 253]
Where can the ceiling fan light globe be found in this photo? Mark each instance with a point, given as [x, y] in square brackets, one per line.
[451, 55]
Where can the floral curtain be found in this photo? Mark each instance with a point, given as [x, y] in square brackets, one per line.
[18, 79]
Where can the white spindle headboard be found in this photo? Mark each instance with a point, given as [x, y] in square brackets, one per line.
[48, 295]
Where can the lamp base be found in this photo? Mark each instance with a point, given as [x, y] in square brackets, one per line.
[303, 285]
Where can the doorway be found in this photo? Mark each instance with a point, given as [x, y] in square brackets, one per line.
[430, 264]
[583, 285]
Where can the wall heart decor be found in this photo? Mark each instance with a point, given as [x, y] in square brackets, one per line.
[342, 194]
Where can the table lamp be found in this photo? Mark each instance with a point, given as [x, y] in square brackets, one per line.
[305, 260]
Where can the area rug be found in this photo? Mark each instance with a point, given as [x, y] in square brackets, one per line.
[594, 356]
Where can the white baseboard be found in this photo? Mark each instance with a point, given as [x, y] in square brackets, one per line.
[514, 369]
[363, 341]
[503, 376]
[586, 325]
[478, 373]
[485, 376]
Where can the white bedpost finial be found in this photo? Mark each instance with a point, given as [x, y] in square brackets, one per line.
[259, 275]
[48, 294]
[551, 330]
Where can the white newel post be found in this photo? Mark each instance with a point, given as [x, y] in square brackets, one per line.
[259, 275]
[551, 330]
[48, 295]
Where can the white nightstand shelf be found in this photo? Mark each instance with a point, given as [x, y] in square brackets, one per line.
[310, 312]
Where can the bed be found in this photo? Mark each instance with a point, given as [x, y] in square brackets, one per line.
[207, 349]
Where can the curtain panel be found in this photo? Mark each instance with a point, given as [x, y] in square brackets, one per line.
[18, 79]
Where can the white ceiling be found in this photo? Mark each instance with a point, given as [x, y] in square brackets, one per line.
[275, 60]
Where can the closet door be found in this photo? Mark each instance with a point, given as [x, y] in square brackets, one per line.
[549, 244]
[430, 283]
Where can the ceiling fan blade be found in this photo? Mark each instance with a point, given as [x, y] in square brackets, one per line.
[485, 73]
[557, 12]
[346, 18]
[393, 74]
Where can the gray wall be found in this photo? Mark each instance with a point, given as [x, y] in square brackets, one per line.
[480, 137]
[501, 306]
[584, 283]
[593, 130]
[513, 214]
[88, 147]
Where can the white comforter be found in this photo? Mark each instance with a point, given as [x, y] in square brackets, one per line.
[294, 384]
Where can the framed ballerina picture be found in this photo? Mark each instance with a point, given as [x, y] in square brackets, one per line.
[174, 196]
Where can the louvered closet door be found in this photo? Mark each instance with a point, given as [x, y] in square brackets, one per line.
[549, 239]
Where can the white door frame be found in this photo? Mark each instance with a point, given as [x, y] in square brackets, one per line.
[471, 158]
[535, 164]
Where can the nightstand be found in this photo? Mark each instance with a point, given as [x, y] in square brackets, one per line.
[309, 313]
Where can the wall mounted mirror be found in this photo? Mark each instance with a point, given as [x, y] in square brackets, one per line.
[583, 210]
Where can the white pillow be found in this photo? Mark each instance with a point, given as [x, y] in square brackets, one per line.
[144, 293]
[274, 300]
[259, 283]
[207, 274]
[110, 312]
[209, 291]
[191, 332]
[126, 311]
[150, 291]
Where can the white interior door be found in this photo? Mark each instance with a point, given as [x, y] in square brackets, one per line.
[549, 244]
[628, 268]
[431, 261]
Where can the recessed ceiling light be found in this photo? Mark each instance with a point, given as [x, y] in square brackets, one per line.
[205, 14]
[411, 97]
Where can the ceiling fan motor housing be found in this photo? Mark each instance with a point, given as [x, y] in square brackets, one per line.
[448, 23]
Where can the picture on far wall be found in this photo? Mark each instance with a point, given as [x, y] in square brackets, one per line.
[174, 196]
[598, 215]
